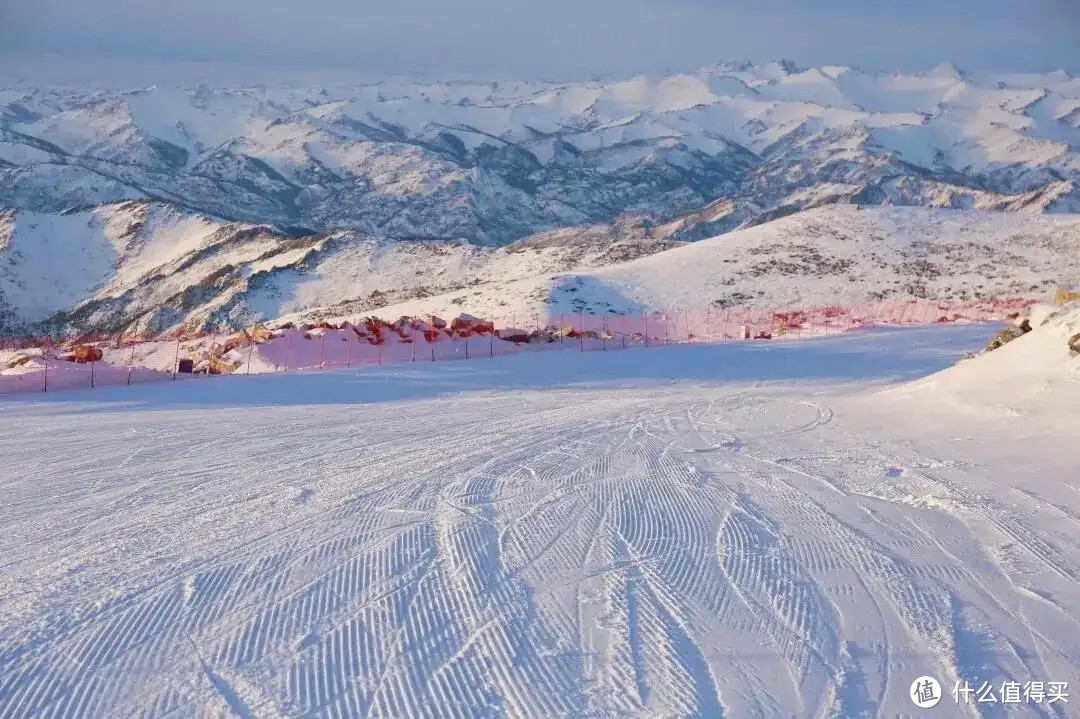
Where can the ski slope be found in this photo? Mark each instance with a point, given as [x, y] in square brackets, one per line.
[742, 530]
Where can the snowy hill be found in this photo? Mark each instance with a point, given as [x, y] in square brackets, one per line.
[827, 256]
[140, 265]
[1023, 377]
[492, 163]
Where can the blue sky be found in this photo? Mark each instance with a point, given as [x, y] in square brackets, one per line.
[553, 38]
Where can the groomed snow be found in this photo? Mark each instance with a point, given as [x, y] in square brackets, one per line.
[742, 530]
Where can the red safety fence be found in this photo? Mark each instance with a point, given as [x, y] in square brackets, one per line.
[31, 364]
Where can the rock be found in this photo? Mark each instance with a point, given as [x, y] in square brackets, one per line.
[1064, 296]
[1074, 345]
[463, 324]
[84, 354]
[18, 361]
[214, 365]
[1003, 338]
[261, 333]
[240, 339]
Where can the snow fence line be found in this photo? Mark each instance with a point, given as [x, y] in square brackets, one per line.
[35, 364]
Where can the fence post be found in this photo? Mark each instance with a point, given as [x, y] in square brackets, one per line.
[348, 341]
[285, 360]
[581, 331]
[251, 350]
[46, 379]
[93, 361]
[176, 359]
[491, 340]
[322, 349]
[645, 316]
[603, 332]
[131, 361]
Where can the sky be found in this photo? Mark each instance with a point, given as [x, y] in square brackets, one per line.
[549, 39]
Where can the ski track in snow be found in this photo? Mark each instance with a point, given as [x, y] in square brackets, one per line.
[714, 549]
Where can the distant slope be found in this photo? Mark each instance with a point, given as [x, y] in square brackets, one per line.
[152, 266]
[830, 255]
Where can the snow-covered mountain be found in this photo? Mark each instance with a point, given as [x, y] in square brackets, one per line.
[153, 266]
[493, 163]
[160, 206]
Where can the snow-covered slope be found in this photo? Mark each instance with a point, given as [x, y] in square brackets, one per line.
[653, 533]
[496, 162]
[1019, 378]
[153, 266]
[827, 256]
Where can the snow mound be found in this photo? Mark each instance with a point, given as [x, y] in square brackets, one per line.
[1020, 377]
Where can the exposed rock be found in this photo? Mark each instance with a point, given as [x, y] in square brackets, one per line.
[84, 354]
[1007, 335]
[1064, 296]
[17, 361]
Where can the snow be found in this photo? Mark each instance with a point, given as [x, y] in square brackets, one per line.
[1020, 378]
[834, 255]
[159, 256]
[54, 262]
[747, 530]
[982, 121]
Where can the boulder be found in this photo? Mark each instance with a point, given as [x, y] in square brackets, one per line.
[17, 361]
[240, 339]
[1063, 296]
[261, 333]
[463, 324]
[1003, 338]
[214, 365]
[1074, 345]
[85, 354]
[1007, 335]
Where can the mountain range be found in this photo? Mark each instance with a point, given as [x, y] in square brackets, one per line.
[597, 172]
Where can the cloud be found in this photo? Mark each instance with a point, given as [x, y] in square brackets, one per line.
[556, 38]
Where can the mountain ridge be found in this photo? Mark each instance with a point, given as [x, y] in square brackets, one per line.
[230, 187]
[496, 162]
[143, 266]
